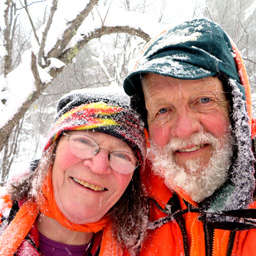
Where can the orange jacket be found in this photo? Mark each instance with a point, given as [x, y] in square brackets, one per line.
[184, 234]
[178, 226]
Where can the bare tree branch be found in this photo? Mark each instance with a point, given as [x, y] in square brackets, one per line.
[76, 76]
[45, 33]
[7, 36]
[103, 20]
[30, 20]
[10, 150]
[41, 1]
[249, 60]
[208, 12]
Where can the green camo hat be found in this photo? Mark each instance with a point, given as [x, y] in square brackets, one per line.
[192, 50]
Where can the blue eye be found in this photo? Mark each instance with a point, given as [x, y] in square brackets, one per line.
[205, 100]
[162, 111]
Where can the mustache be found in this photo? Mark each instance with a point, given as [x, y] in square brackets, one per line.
[195, 139]
[198, 185]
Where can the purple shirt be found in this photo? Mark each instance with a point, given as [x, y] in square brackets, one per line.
[49, 247]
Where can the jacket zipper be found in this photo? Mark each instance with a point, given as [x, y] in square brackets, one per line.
[181, 223]
[230, 243]
[175, 204]
[209, 235]
[192, 245]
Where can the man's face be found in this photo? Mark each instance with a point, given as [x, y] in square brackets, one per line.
[189, 120]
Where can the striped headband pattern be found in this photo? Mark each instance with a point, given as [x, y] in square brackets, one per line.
[106, 117]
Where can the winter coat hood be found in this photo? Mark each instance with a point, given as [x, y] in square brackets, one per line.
[193, 50]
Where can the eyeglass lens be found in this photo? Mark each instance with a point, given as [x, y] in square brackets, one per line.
[85, 147]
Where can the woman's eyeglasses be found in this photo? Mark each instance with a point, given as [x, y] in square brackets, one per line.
[85, 147]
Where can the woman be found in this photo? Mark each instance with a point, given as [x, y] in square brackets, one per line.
[84, 196]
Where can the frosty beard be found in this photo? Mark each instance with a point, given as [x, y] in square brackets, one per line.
[196, 181]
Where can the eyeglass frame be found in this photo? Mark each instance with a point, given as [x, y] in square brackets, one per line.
[94, 153]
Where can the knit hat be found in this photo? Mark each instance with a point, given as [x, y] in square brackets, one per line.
[102, 111]
[192, 50]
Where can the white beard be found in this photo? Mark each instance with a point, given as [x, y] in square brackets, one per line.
[196, 181]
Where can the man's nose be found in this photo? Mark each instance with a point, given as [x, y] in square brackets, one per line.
[99, 163]
[185, 123]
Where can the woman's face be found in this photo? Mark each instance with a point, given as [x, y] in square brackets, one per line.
[85, 190]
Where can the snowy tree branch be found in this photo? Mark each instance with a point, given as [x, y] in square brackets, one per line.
[71, 30]
[54, 53]
[68, 55]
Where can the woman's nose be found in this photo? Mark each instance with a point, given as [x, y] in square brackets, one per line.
[100, 162]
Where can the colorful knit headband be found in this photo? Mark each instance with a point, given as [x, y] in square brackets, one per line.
[83, 110]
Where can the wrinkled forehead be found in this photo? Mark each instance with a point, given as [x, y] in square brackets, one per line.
[154, 85]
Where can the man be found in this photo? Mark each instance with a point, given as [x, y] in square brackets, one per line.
[191, 86]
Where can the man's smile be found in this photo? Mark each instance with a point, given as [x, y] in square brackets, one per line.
[193, 148]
